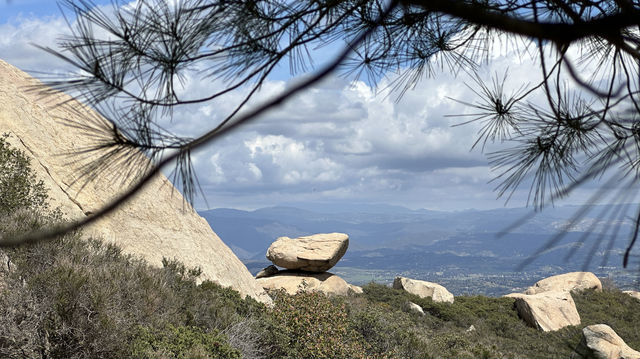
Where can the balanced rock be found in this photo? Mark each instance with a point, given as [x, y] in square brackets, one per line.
[316, 253]
[424, 289]
[157, 223]
[601, 342]
[296, 281]
[547, 311]
[566, 282]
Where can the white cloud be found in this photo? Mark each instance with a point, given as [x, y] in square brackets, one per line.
[18, 37]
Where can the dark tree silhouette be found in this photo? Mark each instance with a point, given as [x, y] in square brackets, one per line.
[130, 63]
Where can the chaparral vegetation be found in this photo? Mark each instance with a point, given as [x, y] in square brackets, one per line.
[76, 298]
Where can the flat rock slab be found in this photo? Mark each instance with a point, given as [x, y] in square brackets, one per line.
[599, 341]
[566, 282]
[547, 311]
[424, 289]
[315, 253]
[296, 281]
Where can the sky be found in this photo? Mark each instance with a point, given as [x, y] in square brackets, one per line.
[341, 142]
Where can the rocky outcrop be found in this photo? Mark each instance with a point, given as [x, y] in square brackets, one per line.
[423, 289]
[356, 289]
[293, 282]
[157, 223]
[315, 253]
[632, 293]
[566, 282]
[413, 307]
[547, 311]
[601, 342]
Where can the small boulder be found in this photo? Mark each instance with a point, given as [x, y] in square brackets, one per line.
[295, 281]
[424, 289]
[316, 253]
[547, 311]
[566, 282]
[601, 342]
[632, 293]
[356, 289]
[414, 308]
[267, 272]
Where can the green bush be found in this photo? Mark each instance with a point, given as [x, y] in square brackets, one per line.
[19, 187]
[85, 299]
[310, 325]
[180, 343]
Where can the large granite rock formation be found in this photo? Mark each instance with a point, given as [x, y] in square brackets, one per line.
[547, 311]
[157, 223]
[296, 281]
[316, 253]
[423, 289]
[599, 341]
[566, 282]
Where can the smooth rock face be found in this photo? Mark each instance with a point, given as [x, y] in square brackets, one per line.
[601, 342]
[296, 281]
[547, 311]
[157, 223]
[423, 289]
[566, 282]
[316, 253]
[632, 293]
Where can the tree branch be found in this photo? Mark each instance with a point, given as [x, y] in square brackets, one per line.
[561, 33]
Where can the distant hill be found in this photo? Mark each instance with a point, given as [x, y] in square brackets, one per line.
[396, 227]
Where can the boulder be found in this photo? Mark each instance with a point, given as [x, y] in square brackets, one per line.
[547, 311]
[157, 223]
[599, 341]
[298, 281]
[423, 289]
[356, 289]
[413, 307]
[316, 253]
[632, 293]
[267, 272]
[566, 282]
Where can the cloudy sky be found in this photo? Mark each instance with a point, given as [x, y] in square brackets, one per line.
[340, 142]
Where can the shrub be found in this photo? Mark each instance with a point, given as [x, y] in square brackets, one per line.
[19, 187]
[181, 342]
[310, 325]
[85, 299]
